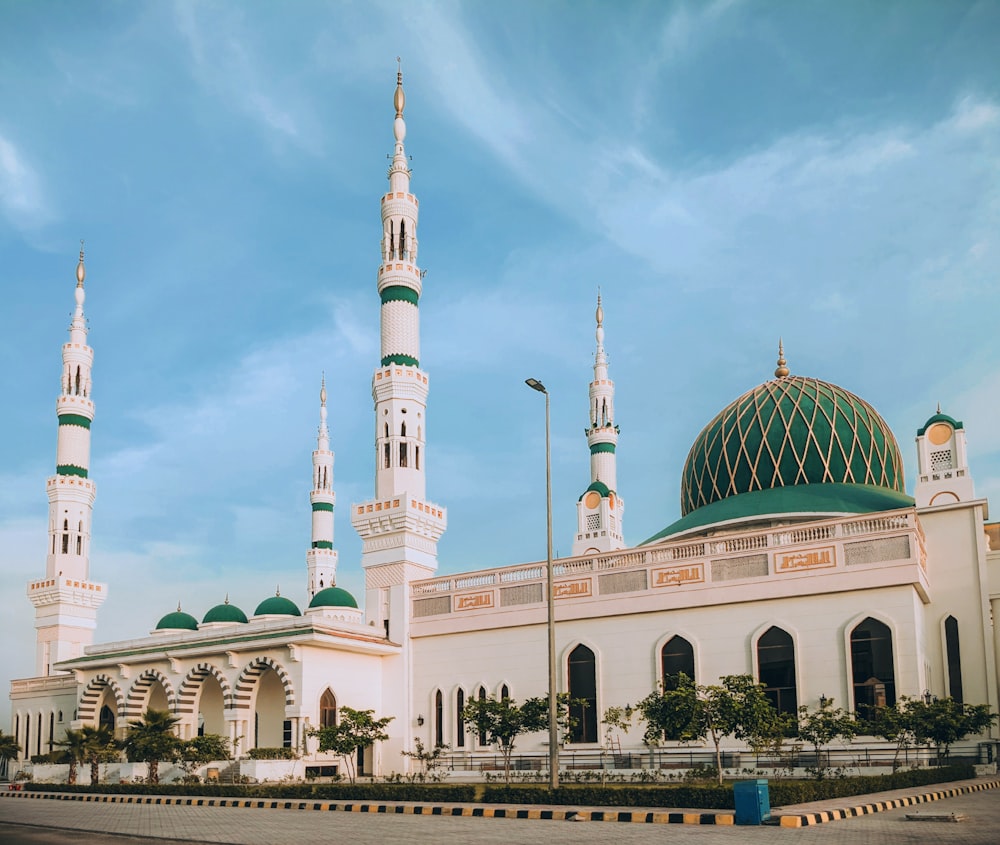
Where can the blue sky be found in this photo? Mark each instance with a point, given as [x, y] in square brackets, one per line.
[726, 172]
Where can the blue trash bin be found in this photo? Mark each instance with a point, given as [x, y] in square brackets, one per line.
[753, 803]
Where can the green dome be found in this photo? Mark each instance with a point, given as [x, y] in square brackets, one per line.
[333, 597]
[177, 621]
[598, 487]
[277, 606]
[789, 432]
[225, 613]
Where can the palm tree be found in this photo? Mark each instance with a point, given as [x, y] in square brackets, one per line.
[151, 740]
[9, 749]
[75, 747]
[100, 748]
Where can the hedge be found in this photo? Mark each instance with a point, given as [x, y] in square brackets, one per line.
[709, 797]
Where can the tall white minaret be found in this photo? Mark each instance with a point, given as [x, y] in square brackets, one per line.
[600, 510]
[400, 529]
[321, 559]
[66, 600]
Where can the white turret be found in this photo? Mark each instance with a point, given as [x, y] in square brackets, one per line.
[321, 559]
[65, 600]
[943, 468]
[400, 529]
[600, 510]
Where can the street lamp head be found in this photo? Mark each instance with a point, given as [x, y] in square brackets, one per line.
[535, 384]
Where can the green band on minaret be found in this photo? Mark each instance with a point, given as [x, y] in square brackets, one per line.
[399, 293]
[74, 419]
[69, 469]
[405, 360]
[322, 544]
[602, 447]
[322, 506]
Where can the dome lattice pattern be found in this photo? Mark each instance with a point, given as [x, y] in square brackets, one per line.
[789, 431]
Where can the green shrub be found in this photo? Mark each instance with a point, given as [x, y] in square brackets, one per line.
[271, 753]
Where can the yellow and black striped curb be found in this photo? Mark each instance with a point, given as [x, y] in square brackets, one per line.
[628, 816]
[809, 819]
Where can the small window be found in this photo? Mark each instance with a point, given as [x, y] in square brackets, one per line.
[388, 455]
[416, 457]
[402, 455]
[504, 692]
[286, 733]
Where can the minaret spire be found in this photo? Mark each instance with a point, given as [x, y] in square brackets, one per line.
[65, 600]
[399, 527]
[321, 559]
[600, 509]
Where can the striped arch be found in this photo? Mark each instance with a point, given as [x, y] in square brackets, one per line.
[187, 694]
[91, 695]
[251, 674]
[139, 693]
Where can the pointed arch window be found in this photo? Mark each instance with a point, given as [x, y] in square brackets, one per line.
[504, 692]
[65, 537]
[402, 429]
[438, 718]
[481, 695]
[459, 720]
[388, 454]
[676, 658]
[872, 671]
[416, 457]
[77, 383]
[583, 691]
[954, 654]
[327, 709]
[776, 669]
[79, 539]
[52, 730]
[106, 718]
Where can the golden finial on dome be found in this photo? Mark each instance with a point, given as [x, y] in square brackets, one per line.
[227, 599]
[178, 607]
[80, 270]
[322, 390]
[599, 315]
[782, 369]
[939, 408]
[277, 590]
[399, 98]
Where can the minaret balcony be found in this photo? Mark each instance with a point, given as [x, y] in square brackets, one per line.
[397, 198]
[71, 488]
[399, 513]
[602, 434]
[404, 273]
[72, 591]
[70, 403]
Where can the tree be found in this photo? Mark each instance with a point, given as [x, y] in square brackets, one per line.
[354, 729]
[100, 746]
[9, 749]
[943, 721]
[503, 720]
[152, 740]
[429, 760]
[206, 748]
[75, 746]
[890, 722]
[736, 707]
[822, 726]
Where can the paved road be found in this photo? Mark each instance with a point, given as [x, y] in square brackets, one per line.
[62, 821]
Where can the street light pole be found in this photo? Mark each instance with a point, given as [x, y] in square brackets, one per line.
[535, 384]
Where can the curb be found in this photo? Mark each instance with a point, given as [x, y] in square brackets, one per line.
[626, 816]
[820, 817]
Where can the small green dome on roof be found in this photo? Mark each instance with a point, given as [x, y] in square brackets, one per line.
[939, 417]
[177, 621]
[225, 612]
[277, 605]
[599, 487]
[333, 597]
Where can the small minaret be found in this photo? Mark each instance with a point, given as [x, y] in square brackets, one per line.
[399, 527]
[321, 559]
[943, 469]
[66, 600]
[600, 510]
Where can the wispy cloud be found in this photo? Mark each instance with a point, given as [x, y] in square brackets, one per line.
[22, 198]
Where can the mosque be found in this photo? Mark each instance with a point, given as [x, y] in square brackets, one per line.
[798, 558]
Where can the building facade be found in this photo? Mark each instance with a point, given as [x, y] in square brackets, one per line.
[798, 558]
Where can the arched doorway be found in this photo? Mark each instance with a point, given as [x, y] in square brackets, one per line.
[270, 728]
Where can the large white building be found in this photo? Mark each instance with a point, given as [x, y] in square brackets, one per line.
[798, 558]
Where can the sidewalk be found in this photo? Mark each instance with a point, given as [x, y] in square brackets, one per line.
[801, 815]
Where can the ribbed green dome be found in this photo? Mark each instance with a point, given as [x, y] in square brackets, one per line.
[177, 621]
[225, 613]
[786, 432]
[277, 606]
[333, 597]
